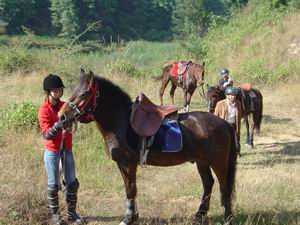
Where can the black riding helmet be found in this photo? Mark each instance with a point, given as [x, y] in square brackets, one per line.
[51, 82]
[231, 91]
[224, 72]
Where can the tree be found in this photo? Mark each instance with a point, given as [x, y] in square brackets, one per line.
[41, 21]
[16, 13]
[56, 11]
[188, 17]
[65, 21]
[69, 20]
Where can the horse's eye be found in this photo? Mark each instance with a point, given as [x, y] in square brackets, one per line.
[84, 94]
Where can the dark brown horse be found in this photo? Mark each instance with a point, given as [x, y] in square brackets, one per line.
[215, 94]
[192, 76]
[207, 140]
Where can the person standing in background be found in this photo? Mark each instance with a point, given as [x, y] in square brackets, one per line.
[230, 109]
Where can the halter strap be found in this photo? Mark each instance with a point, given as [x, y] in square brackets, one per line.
[95, 95]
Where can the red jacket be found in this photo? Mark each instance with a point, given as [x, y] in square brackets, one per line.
[47, 118]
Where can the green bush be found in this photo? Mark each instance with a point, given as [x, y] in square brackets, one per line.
[13, 58]
[20, 116]
[123, 66]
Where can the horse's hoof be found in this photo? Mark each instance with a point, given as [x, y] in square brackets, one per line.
[250, 145]
[130, 220]
[199, 221]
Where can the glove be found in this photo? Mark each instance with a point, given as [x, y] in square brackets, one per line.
[58, 125]
[53, 130]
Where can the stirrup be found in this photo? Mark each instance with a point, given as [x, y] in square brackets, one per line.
[145, 144]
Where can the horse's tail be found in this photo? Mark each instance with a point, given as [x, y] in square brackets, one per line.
[158, 78]
[231, 170]
[166, 70]
[259, 112]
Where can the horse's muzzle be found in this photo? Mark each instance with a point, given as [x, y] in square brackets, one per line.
[67, 123]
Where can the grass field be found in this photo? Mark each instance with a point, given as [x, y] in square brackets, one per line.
[267, 183]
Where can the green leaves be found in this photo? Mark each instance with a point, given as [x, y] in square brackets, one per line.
[20, 116]
[123, 66]
[12, 59]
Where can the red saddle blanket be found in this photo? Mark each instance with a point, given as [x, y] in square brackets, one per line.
[174, 70]
[180, 68]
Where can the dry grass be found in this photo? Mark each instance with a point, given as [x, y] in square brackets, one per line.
[268, 181]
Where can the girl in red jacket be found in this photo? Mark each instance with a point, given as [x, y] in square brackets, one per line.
[58, 146]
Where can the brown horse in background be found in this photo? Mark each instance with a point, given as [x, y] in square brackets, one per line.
[207, 140]
[192, 76]
[215, 94]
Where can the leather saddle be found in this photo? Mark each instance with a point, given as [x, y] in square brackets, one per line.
[182, 67]
[146, 117]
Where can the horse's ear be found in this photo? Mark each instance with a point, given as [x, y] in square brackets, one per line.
[203, 64]
[91, 77]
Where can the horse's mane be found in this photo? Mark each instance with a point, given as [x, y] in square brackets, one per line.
[114, 90]
[212, 88]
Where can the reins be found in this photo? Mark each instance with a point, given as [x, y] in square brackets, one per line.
[62, 185]
[202, 94]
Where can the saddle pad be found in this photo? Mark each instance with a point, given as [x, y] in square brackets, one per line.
[168, 138]
[174, 70]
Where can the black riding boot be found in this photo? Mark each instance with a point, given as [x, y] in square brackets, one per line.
[53, 205]
[71, 199]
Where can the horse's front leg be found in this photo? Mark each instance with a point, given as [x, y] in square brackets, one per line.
[187, 100]
[252, 126]
[172, 91]
[129, 177]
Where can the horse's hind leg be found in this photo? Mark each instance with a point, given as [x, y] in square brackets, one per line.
[221, 173]
[129, 177]
[207, 182]
[163, 86]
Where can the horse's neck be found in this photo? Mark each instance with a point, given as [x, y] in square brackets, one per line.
[222, 94]
[112, 117]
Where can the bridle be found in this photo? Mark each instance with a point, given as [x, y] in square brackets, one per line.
[87, 109]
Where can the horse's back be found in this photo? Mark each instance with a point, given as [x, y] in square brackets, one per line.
[204, 125]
